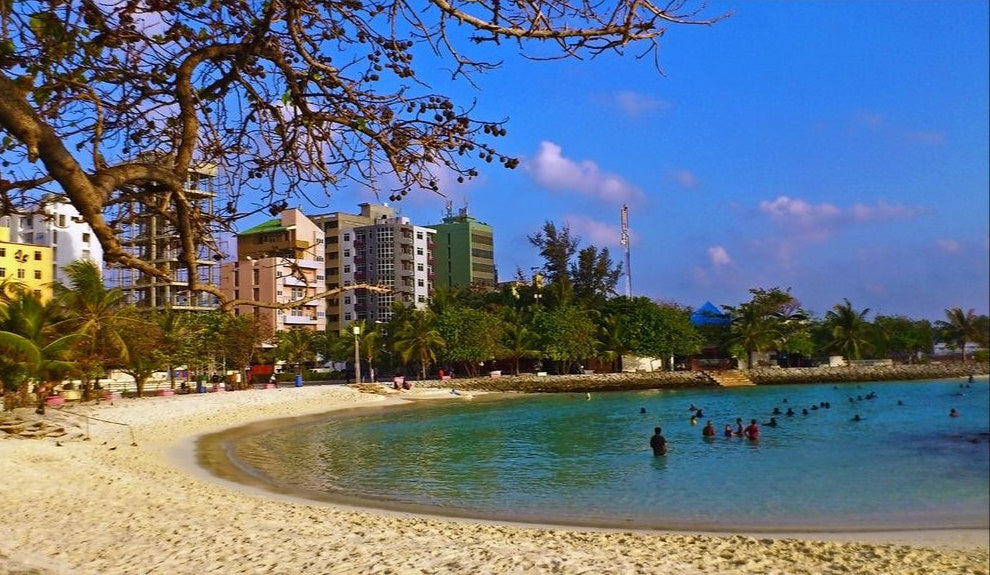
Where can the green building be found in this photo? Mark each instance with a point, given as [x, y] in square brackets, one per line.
[463, 253]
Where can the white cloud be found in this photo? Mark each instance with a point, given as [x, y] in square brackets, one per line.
[685, 179]
[597, 233]
[555, 172]
[884, 211]
[947, 246]
[817, 222]
[718, 256]
[637, 104]
[808, 220]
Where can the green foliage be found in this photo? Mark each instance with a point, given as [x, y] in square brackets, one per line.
[567, 335]
[851, 332]
[470, 336]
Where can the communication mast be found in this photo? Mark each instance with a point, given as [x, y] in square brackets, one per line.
[624, 240]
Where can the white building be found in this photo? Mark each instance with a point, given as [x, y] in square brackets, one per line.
[61, 228]
[391, 253]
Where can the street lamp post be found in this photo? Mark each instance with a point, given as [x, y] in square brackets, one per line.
[357, 353]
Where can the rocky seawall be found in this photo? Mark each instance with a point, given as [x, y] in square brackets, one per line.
[866, 373]
[587, 383]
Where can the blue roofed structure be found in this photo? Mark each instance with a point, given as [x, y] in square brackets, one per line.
[708, 314]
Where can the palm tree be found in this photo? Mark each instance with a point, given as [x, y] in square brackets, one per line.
[418, 338]
[613, 341]
[849, 329]
[517, 340]
[751, 331]
[30, 349]
[959, 328]
[90, 308]
[296, 347]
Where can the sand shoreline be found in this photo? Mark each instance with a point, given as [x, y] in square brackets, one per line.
[107, 506]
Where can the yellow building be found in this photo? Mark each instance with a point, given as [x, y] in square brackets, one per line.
[26, 264]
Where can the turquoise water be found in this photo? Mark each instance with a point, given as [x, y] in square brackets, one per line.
[563, 458]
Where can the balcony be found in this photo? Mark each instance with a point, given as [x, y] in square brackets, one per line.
[298, 320]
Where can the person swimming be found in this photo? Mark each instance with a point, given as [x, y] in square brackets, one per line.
[708, 430]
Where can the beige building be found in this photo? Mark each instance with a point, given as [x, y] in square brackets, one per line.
[280, 261]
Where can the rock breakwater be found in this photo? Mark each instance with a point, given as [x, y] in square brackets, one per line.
[587, 383]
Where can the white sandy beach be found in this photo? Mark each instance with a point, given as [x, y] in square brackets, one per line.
[129, 501]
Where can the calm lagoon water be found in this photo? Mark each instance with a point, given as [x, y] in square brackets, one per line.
[565, 459]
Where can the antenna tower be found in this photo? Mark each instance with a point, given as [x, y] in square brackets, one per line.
[624, 241]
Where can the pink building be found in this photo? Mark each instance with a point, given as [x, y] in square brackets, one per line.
[280, 261]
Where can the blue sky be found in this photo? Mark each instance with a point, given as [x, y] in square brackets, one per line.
[839, 149]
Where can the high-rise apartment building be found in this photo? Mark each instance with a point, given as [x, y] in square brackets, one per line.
[26, 264]
[61, 228]
[148, 235]
[379, 248]
[280, 261]
[464, 252]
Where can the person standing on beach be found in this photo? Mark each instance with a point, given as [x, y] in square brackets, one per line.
[658, 442]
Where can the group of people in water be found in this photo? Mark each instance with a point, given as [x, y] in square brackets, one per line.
[751, 432]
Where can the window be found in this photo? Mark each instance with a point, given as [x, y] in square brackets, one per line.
[257, 294]
[347, 300]
[347, 253]
[3, 272]
[20, 274]
[419, 283]
[85, 237]
[419, 251]
[347, 269]
[61, 220]
[347, 237]
[37, 256]
[419, 267]
[3, 252]
[37, 274]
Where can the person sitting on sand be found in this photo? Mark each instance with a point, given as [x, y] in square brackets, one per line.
[708, 430]
[658, 442]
